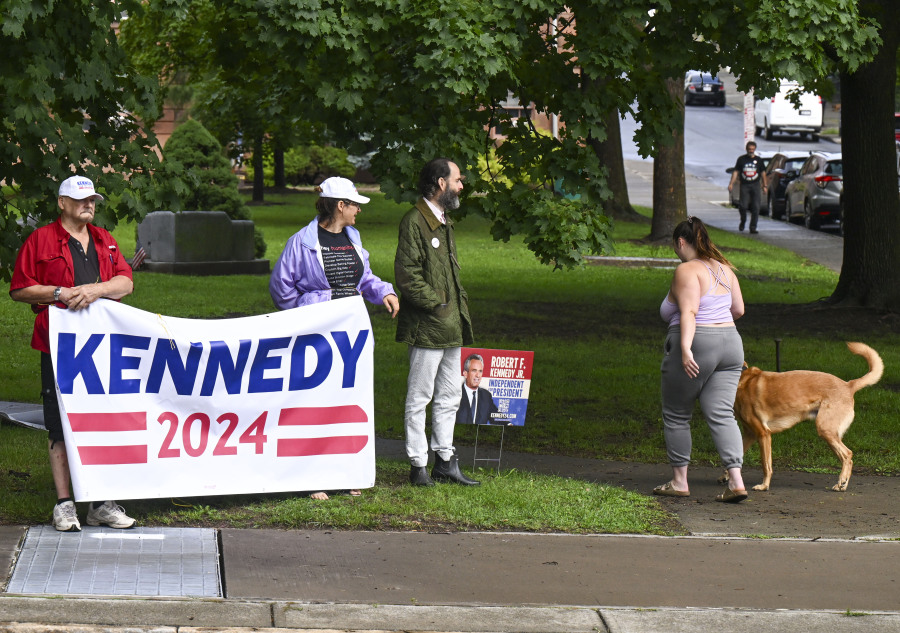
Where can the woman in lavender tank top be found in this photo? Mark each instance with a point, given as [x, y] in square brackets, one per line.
[703, 359]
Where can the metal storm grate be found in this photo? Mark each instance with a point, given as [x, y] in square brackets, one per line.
[104, 561]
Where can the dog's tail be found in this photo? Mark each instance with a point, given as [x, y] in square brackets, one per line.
[876, 366]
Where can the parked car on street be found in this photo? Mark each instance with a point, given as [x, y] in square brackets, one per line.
[702, 87]
[815, 195]
[781, 171]
[778, 114]
[897, 126]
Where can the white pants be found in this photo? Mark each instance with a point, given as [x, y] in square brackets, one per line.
[434, 376]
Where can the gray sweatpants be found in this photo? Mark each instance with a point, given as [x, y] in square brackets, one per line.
[719, 352]
[434, 376]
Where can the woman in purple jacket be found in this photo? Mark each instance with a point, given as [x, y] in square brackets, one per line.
[325, 260]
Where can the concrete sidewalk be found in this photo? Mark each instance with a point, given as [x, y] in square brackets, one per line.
[509, 582]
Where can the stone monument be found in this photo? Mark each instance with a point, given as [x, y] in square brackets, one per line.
[199, 243]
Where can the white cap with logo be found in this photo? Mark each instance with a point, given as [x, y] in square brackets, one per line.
[78, 188]
[341, 188]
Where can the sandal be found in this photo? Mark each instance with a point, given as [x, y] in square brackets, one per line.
[732, 496]
[667, 490]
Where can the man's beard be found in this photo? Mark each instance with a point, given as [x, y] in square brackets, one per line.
[448, 200]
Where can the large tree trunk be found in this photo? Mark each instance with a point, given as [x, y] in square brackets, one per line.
[669, 195]
[609, 152]
[259, 182]
[870, 274]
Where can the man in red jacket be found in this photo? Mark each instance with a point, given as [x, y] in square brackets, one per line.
[69, 264]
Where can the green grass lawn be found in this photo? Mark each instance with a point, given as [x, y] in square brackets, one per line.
[597, 338]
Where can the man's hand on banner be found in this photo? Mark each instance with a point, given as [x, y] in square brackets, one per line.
[80, 297]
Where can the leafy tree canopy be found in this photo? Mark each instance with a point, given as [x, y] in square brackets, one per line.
[71, 102]
[242, 88]
[422, 78]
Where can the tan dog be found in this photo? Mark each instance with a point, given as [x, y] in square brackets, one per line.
[770, 402]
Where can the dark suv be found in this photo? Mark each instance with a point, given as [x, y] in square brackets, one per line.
[815, 195]
[781, 169]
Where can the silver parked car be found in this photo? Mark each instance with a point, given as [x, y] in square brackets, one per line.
[815, 195]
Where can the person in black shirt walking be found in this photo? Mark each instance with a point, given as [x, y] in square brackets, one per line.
[751, 171]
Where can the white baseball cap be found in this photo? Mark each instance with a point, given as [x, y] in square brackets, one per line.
[342, 189]
[78, 188]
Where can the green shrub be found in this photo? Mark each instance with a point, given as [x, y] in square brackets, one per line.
[307, 165]
[196, 172]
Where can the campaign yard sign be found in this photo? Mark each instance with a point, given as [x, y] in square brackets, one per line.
[495, 386]
[157, 406]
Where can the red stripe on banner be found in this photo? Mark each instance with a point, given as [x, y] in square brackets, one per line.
[350, 413]
[322, 446]
[112, 455]
[102, 422]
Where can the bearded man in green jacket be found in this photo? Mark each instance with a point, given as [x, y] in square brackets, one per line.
[434, 321]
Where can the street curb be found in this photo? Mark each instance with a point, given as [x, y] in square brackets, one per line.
[673, 620]
[51, 614]
[468, 619]
[141, 611]
[153, 613]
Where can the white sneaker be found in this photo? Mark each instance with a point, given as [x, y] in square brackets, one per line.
[64, 517]
[111, 514]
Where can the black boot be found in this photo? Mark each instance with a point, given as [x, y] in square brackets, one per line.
[449, 471]
[418, 476]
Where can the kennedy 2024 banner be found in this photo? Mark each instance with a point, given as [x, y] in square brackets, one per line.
[157, 406]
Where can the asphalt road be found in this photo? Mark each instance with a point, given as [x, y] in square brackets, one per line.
[714, 138]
